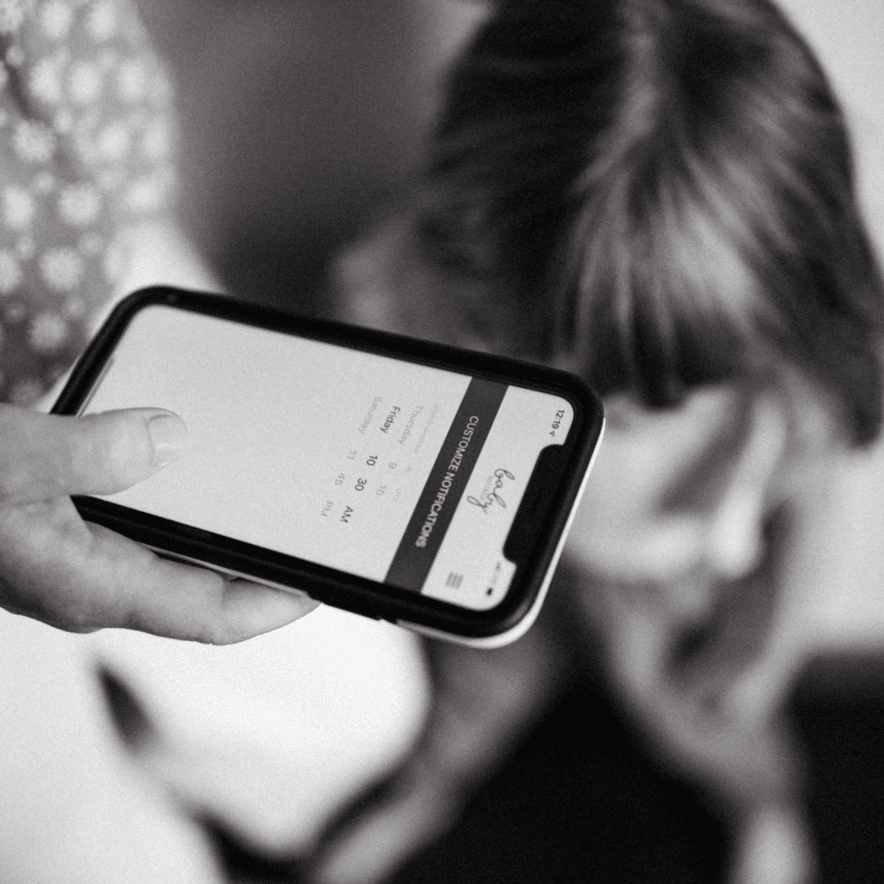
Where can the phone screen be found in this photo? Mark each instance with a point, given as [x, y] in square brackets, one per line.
[395, 471]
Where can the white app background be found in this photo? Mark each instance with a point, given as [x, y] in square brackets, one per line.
[289, 446]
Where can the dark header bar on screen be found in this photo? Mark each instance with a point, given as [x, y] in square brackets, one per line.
[445, 485]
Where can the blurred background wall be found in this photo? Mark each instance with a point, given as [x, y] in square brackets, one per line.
[300, 121]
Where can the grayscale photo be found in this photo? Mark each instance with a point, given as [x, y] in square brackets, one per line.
[441, 441]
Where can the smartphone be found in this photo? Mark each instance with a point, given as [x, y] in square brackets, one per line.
[418, 483]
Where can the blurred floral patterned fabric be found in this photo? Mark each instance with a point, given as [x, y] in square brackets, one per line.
[86, 147]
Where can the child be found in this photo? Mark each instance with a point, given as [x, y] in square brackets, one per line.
[659, 195]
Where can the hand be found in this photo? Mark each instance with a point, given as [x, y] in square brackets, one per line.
[81, 577]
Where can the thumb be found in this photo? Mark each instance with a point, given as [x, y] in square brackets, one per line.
[44, 456]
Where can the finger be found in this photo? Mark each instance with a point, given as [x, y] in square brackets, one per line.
[81, 577]
[213, 610]
[44, 456]
[145, 592]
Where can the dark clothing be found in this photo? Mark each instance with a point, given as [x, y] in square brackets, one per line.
[579, 800]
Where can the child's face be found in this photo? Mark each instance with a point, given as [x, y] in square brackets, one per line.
[683, 496]
[675, 530]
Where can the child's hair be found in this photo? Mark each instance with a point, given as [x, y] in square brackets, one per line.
[660, 189]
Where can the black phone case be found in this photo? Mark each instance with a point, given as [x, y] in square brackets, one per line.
[533, 543]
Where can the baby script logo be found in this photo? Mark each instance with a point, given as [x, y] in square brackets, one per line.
[491, 494]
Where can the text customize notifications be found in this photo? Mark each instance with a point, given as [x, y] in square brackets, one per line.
[387, 469]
